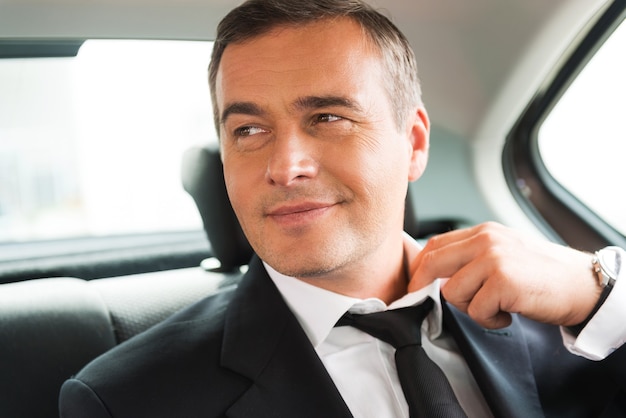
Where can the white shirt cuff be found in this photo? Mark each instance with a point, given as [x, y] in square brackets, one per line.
[606, 331]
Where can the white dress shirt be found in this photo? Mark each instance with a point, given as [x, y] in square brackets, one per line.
[375, 391]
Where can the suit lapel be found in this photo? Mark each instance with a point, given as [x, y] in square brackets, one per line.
[500, 363]
[264, 342]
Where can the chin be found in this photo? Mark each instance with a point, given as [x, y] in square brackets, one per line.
[301, 263]
[300, 270]
[307, 258]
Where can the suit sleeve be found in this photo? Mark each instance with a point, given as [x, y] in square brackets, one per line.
[77, 399]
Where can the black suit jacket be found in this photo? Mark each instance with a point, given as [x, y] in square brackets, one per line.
[242, 353]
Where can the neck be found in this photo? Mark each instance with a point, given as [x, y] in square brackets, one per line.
[383, 276]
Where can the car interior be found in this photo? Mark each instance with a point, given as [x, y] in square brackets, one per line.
[493, 76]
[65, 322]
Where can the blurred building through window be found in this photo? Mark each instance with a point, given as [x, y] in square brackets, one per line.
[92, 144]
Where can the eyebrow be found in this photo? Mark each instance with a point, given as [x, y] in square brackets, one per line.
[317, 102]
[302, 103]
[242, 108]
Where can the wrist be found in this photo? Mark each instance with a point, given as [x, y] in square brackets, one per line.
[605, 266]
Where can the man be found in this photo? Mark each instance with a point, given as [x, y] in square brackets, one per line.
[321, 128]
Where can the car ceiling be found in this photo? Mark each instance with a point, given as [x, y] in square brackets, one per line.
[468, 51]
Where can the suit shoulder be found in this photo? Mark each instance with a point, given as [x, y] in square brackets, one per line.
[149, 370]
[200, 324]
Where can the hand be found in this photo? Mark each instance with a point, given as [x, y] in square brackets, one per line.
[494, 271]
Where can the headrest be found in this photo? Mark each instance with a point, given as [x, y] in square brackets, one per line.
[203, 179]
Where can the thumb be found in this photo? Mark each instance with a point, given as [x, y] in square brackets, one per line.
[418, 276]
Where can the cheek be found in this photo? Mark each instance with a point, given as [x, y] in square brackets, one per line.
[243, 202]
[384, 164]
[376, 172]
[239, 192]
[389, 181]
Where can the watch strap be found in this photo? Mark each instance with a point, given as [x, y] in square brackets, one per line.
[576, 329]
[606, 279]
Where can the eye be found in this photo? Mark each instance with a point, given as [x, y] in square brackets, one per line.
[327, 117]
[246, 131]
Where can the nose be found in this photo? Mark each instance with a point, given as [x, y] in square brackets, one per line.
[292, 159]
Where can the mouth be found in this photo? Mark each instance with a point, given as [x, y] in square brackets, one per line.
[291, 209]
[298, 214]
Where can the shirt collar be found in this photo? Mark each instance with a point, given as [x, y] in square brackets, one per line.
[318, 310]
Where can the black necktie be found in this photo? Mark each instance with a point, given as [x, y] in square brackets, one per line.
[425, 387]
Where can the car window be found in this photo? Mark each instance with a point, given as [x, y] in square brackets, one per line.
[92, 144]
[582, 142]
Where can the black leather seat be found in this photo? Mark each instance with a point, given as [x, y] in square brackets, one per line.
[203, 179]
[48, 330]
[51, 328]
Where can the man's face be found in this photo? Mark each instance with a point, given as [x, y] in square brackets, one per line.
[315, 166]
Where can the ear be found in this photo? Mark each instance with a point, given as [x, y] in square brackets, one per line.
[418, 131]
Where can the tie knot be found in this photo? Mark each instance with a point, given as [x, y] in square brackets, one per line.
[398, 327]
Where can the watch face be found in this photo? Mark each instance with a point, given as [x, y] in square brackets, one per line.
[610, 259]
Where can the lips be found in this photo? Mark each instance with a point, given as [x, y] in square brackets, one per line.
[299, 208]
[298, 215]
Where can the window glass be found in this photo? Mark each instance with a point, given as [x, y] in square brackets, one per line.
[583, 140]
[92, 144]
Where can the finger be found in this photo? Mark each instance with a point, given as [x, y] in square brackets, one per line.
[437, 261]
[482, 234]
[462, 287]
[485, 310]
[446, 238]
[485, 291]
[442, 240]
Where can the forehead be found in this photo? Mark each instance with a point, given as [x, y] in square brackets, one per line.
[330, 54]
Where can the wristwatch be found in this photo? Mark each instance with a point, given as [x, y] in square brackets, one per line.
[606, 265]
